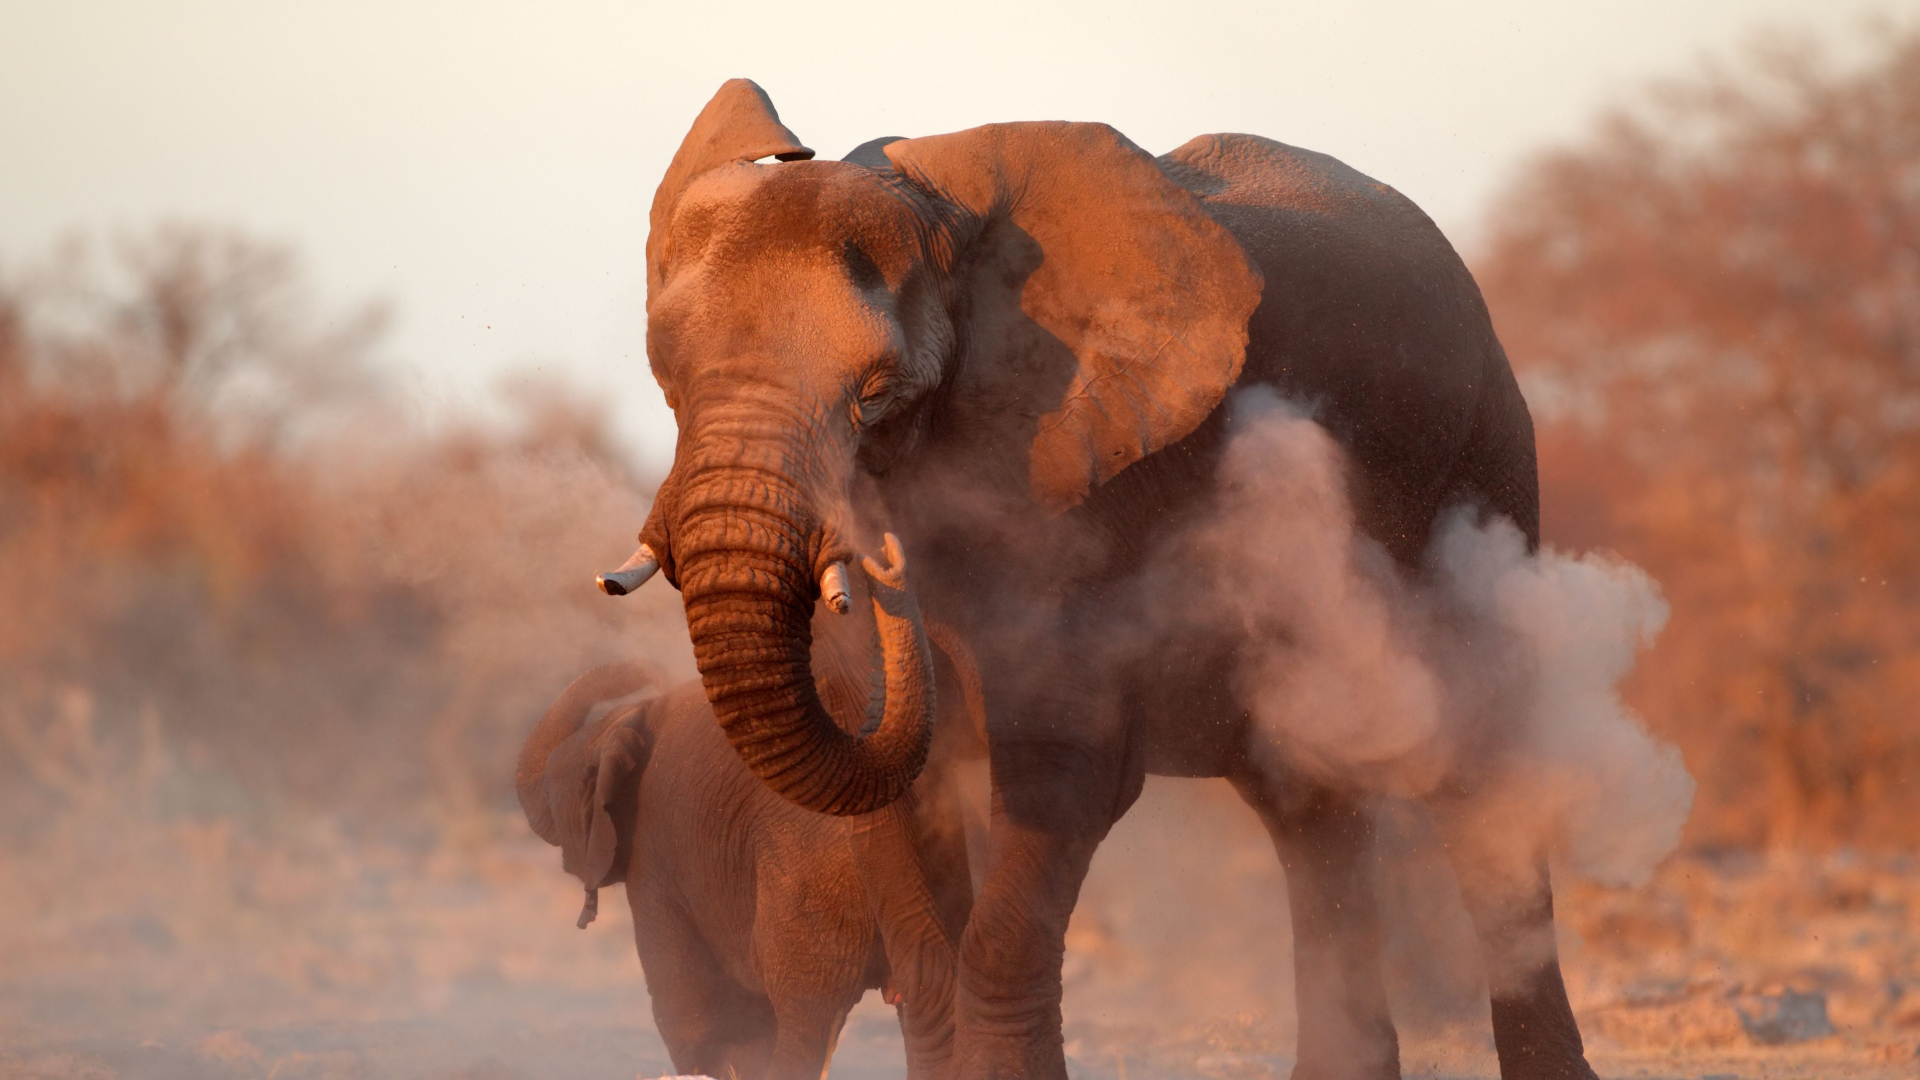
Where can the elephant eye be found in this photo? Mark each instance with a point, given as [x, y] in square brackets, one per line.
[873, 395]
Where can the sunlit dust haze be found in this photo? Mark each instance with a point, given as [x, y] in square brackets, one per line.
[1491, 678]
[323, 396]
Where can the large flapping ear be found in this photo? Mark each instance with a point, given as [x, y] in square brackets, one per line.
[873, 152]
[1106, 312]
[739, 124]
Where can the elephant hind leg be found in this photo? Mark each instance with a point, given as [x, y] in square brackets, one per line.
[1509, 896]
[1325, 843]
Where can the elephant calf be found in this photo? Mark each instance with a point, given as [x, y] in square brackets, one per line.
[759, 923]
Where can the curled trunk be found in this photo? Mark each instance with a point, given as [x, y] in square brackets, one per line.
[740, 557]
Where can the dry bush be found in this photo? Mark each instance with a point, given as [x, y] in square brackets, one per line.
[1714, 302]
[267, 651]
[214, 519]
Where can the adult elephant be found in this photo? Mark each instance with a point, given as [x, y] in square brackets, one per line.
[1013, 346]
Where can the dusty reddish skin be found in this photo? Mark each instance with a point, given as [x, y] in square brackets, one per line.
[760, 923]
[1015, 346]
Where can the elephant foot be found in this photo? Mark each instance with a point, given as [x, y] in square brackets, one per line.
[1347, 1039]
[1343, 1070]
[1544, 1058]
[1357, 1063]
[1551, 1065]
[1535, 1036]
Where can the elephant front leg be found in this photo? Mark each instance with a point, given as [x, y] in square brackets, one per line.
[709, 1023]
[891, 855]
[1052, 805]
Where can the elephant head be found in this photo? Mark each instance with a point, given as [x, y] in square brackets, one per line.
[577, 773]
[1028, 308]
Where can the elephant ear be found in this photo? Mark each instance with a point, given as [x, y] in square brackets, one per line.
[1104, 314]
[597, 689]
[739, 124]
[622, 755]
[589, 780]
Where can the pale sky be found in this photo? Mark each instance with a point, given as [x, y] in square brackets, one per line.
[487, 167]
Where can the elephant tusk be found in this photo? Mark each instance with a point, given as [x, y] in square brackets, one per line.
[833, 588]
[632, 574]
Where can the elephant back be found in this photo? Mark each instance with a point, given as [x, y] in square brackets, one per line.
[1369, 318]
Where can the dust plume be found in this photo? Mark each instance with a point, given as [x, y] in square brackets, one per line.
[1473, 701]
[1486, 682]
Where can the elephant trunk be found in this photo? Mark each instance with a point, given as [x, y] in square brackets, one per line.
[742, 554]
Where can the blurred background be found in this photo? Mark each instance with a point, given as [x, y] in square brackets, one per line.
[323, 395]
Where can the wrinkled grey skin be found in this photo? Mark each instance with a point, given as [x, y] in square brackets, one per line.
[759, 923]
[1015, 347]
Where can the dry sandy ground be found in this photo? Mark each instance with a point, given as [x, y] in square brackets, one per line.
[138, 944]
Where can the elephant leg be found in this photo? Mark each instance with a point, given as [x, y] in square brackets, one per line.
[928, 1035]
[812, 943]
[809, 1029]
[713, 1027]
[1509, 897]
[1053, 803]
[1325, 842]
[894, 859]
[752, 1056]
[710, 1024]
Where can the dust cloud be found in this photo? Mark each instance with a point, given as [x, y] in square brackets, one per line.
[1488, 681]
[1473, 703]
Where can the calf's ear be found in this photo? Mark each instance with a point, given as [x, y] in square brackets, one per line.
[533, 782]
[610, 819]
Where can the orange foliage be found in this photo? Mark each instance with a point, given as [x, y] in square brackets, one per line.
[1714, 303]
[311, 611]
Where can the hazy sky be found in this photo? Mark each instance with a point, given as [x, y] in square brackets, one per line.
[487, 167]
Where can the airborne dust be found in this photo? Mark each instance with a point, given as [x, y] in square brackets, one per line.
[1489, 682]
[267, 676]
[269, 641]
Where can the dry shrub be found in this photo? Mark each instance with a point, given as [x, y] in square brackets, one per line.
[215, 519]
[1714, 302]
[268, 647]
